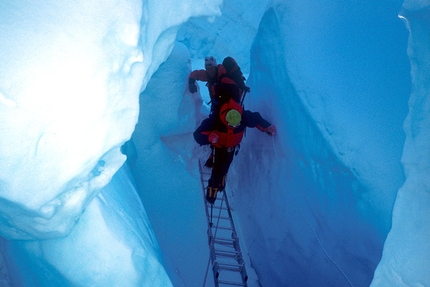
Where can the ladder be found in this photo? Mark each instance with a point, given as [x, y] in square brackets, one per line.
[228, 265]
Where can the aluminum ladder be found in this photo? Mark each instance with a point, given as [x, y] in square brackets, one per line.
[228, 265]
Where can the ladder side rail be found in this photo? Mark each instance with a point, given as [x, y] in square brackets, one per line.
[215, 268]
[204, 195]
[234, 235]
[240, 260]
[213, 240]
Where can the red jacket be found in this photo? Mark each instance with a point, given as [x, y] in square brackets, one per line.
[228, 74]
[202, 75]
[228, 136]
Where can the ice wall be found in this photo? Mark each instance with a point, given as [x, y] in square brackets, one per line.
[299, 205]
[311, 196]
[112, 244]
[231, 34]
[161, 22]
[321, 193]
[69, 83]
[355, 83]
[405, 259]
[170, 193]
[63, 87]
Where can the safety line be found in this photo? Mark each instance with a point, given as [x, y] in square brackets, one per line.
[313, 230]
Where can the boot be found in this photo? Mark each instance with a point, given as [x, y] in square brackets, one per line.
[211, 194]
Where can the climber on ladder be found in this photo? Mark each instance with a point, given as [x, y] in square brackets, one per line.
[223, 130]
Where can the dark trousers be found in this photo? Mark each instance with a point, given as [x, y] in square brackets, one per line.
[222, 162]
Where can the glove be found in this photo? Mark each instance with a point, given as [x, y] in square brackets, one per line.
[192, 85]
[246, 89]
[213, 138]
[270, 130]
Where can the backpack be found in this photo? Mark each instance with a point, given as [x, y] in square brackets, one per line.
[230, 84]
[228, 136]
[225, 89]
[228, 89]
[224, 108]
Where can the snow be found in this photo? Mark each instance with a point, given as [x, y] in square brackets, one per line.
[69, 84]
[112, 243]
[50, 84]
[405, 257]
[339, 197]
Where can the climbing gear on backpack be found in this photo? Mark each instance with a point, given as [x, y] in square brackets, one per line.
[233, 118]
[229, 134]
[243, 97]
[230, 113]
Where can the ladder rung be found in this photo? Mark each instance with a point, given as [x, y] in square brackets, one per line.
[222, 233]
[219, 207]
[231, 283]
[227, 245]
[226, 253]
[223, 228]
[229, 239]
[221, 240]
[229, 267]
[234, 252]
[223, 248]
[221, 217]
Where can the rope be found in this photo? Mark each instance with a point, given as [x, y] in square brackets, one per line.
[324, 250]
[255, 237]
[207, 270]
[313, 230]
